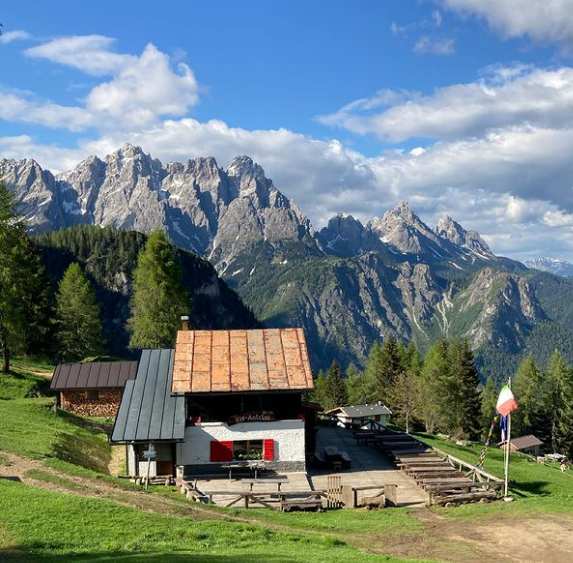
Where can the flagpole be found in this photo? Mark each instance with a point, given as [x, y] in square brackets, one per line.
[507, 451]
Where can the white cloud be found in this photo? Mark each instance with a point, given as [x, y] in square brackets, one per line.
[143, 88]
[91, 54]
[434, 46]
[25, 108]
[514, 96]
[15, 35]
[545, 21]
[502, 164]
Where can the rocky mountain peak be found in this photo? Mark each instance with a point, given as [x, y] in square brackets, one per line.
[403, 210]
[450, 230]
[403, 230]
[552, 265]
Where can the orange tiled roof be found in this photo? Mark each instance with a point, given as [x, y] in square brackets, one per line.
[221, 361]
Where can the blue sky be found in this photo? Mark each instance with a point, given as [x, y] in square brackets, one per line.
[460, 106]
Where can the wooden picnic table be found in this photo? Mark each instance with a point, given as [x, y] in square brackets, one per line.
[331, 452]
[278, 481]
[364, 437]
[253, 466]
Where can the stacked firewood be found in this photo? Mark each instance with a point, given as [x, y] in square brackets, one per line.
[79, 402]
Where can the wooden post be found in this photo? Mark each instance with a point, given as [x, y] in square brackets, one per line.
[390, 495]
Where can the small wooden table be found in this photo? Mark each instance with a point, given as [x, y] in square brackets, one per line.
[331, 451]
[253, 466]
[278, 481]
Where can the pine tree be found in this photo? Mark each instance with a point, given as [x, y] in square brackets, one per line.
[433, 380]
[489, 398]
[464, 397]
[560, 398]
[528, 391]
[21, 294]
[335, 392]
[159, 298]
[406, 397]
[388, 366]
[360, 388]
[317, 394]
[78, 313]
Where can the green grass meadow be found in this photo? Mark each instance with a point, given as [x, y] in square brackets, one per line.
[48, 526]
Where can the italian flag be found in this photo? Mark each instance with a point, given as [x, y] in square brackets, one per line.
[506, 402]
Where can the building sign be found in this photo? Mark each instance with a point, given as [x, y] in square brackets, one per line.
[256, 416]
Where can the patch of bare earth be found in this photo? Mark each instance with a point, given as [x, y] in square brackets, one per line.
[499, 539]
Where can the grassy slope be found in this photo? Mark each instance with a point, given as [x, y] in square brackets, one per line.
[44, 526]
[538, 488]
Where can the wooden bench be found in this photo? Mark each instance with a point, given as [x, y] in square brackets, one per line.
[346, 460]
[278, 481]
[247, 466]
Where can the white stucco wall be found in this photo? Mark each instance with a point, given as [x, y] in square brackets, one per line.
[288, 436]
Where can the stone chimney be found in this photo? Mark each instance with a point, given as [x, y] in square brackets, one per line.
[185, 322]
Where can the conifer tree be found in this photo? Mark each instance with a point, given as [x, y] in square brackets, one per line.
[21, 294]
[335, 392]
[489, 398]
[317, 394]
[559, 401]
[360, 389]
[78, 313]
[528, 391]
[464, 397]
[388, 366]
[433, 380]
[406, 397]
[159, 298]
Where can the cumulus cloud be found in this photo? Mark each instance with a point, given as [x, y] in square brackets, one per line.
[547, 21]
[504, 96]
[15, 35]
[142, 88]
[91, 54]
[501, 163]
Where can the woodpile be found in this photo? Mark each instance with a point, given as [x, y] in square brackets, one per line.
[78, 402]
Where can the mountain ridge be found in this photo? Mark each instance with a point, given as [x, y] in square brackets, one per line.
[348, 284]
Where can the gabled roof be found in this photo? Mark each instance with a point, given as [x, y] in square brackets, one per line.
[528, 441]
[226, 361]
[148, 412]
[360, 411]
[92, 375]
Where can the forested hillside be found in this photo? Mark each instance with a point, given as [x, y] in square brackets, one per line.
[109, 257]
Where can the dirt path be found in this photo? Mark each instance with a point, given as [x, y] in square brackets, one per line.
[499, 539]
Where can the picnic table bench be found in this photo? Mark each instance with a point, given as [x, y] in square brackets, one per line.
[250, 466]
[278, 481]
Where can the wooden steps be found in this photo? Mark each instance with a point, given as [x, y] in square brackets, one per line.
[446, 480]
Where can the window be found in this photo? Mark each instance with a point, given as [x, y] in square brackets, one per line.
[248, 449]
[93, 395]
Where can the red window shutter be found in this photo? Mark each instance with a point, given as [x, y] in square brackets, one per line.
[269, 450]
[221, 451]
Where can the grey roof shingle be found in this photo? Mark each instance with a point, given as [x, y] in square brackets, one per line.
[358, 411]
[92, 375]
[148, 412]
[528, 441]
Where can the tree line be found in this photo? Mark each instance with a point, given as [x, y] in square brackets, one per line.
[29, 315]
[442, 392]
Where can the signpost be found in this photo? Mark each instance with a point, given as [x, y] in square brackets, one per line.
[149, 455]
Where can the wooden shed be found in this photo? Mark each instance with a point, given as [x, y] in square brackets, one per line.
[528, 444]
[92, 388]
